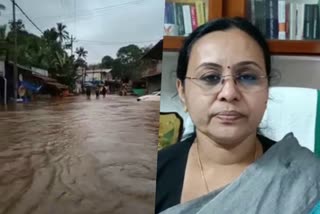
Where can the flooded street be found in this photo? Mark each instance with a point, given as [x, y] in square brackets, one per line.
[79, 156]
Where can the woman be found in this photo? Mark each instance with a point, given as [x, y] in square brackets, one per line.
[226, 166]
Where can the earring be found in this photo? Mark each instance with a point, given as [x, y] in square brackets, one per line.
[185, 109]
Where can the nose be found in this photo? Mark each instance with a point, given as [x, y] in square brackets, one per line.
[229, 91]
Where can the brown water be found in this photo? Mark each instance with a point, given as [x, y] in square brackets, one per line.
[79, 156]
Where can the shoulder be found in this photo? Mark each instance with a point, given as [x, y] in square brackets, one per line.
[170, 172]
[171, 156]
[301, 156]
[266, 142]
[292, 154]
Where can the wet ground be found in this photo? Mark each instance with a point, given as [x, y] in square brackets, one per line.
[79, 156]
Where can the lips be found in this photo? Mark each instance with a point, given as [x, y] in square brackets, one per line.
[229, 116]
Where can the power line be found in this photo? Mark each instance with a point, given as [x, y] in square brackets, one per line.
[117, 42]
[91, 13]
[26, 16]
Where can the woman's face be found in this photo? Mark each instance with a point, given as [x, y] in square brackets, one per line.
[230, 113]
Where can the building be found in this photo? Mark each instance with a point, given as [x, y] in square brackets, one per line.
[98, 76]
[31, 81]
[152, 75]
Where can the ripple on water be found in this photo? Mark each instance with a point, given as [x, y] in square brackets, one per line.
[78, 156]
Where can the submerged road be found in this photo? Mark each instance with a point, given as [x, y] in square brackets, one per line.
[75, 155]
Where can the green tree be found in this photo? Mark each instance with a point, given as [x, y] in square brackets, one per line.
[3, 32]
[50, 35]
[82, 53]
[64, 69]
[62, 32]
[107, 62]
[129, 54]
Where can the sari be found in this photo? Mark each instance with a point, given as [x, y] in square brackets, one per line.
[285, 180]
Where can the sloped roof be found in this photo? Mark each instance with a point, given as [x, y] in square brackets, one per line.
[155, 52]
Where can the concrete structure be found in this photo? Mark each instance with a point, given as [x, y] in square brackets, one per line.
[152, 75]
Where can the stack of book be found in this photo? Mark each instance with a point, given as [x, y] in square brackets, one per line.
[184, 16]
[283, 19]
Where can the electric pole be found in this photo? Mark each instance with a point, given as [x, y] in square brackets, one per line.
[72, 39]
[71, 44]
[15, 71]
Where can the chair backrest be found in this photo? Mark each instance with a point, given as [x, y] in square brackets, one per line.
[292, 109]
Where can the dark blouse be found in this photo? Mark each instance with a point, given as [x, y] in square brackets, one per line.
[171, 168]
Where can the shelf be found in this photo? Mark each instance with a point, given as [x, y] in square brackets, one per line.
[231, 8]
[285, 47]
[172, 43]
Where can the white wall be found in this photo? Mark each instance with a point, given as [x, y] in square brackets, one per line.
[169, 97]
[298, 71]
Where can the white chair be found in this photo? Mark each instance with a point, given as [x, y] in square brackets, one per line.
[292, 109]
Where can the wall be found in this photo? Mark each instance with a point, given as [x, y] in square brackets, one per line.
[298, 71]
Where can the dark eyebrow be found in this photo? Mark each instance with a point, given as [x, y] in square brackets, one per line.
[210, 65]
[243, 63]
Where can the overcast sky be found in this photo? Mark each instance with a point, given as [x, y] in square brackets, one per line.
[100, 26]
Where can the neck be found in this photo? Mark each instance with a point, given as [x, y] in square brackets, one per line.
[216, 153]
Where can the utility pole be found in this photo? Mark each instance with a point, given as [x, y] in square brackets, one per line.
[71, 44]
[72, 39]
[15, 71]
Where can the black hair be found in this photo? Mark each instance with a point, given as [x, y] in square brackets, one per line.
[222, 24]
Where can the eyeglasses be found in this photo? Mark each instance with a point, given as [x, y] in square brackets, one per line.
[213, 83]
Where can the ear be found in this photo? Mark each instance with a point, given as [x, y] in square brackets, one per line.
[181, 91]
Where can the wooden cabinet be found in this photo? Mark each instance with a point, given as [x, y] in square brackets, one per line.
[231, 8]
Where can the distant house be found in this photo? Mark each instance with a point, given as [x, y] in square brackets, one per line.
[152, 75]
[98, 76]
[92, 77]
[32, 80]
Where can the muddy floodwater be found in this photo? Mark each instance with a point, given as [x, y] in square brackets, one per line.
[75, 155]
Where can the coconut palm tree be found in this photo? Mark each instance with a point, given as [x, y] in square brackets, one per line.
[50, 35]
[82, 53]
[62, 33]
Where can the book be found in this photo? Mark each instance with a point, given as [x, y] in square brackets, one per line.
[316, 26]
[299, 20]
[250, 13]
[260, 15]
[200, 12]
[287, 20]
[292, 21]
[179, 19]
[272, 27]
[308, 21]
[282, 19]
[169, 13]
[194, 20]
[187, 19]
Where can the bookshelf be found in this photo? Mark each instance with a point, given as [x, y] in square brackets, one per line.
[287, 44]
[173, 39]
[229, 8]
